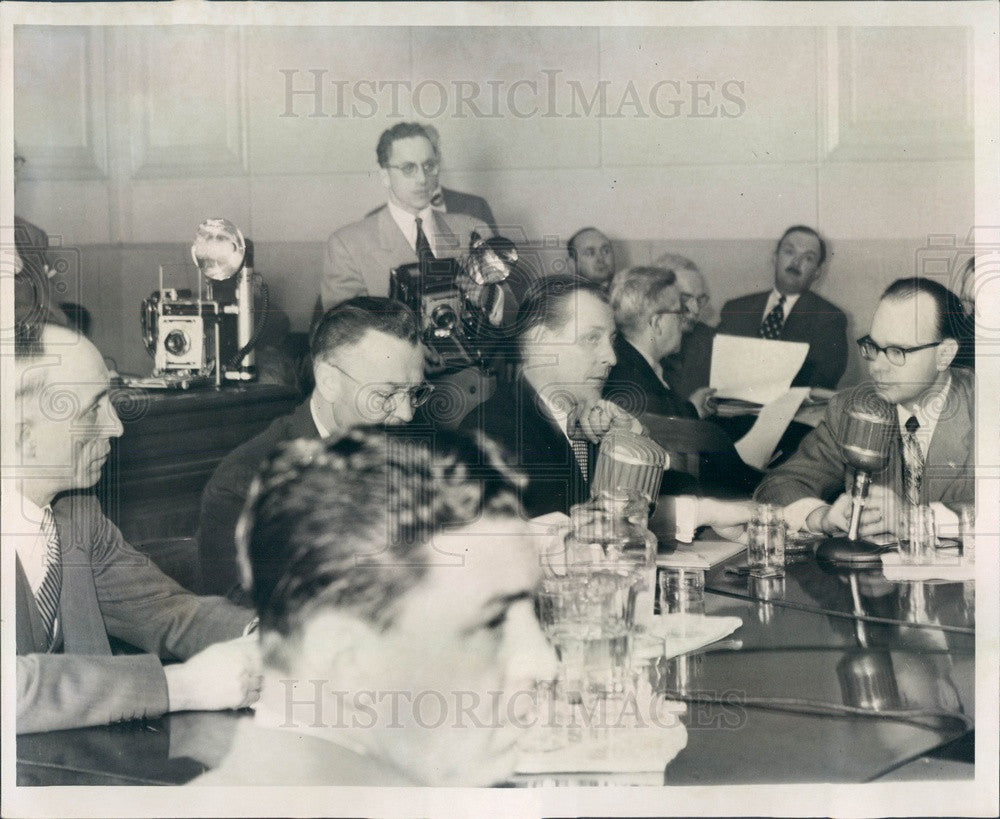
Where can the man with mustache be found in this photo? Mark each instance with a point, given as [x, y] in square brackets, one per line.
[792, 312]
[78, 582]
[359, 257]
[910, 350]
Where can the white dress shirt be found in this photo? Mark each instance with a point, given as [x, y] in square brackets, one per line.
[408, 224]
[772, 300]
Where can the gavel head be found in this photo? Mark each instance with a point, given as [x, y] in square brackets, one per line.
[867, 429]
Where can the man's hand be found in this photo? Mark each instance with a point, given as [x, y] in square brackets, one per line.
[727, 518]
[704, 401]
[878, 516]
[599, 417]
[219, 677]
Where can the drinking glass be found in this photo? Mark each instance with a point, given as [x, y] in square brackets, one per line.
[766, 542]
[917, 535]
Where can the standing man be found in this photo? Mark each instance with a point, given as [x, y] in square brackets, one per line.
[591, 256]
[446, 200]
[792, 312]
[368, 368]
[909, 350]
[360, 256]
[78, 582]
[690, 366]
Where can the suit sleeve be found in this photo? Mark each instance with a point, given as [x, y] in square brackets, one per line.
[221, 505]
[59, 691]
[816, 470]
[144, 607]
[830, 365]
[342, 278]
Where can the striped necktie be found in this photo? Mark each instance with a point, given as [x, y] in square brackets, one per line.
[913, 461]
[47, 594]
[771, 326]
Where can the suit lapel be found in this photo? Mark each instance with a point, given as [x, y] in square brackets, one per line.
[28, 619]
[445, 241]
[391, 238]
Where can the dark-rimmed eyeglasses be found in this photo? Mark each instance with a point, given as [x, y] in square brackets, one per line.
[409, 169]
[388, 400]
[896, 355]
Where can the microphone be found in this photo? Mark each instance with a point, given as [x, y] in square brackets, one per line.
[866, 431]
[627, 460]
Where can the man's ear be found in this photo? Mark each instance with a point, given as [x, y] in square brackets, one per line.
[946, 352]
[24, 438]
[327, 380]
[383, 175]
[331, 638]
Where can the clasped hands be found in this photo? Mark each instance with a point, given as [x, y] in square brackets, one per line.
[220, 677]
[880, 514]
[597, 418]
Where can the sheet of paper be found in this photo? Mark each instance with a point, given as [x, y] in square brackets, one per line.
[757, 446]
[754, 369]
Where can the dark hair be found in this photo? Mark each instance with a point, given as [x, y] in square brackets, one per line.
[347, 524]
[549, 303]
[571, 242]
[349, 321]
[401, 130]
[951, 321]
[811, 232]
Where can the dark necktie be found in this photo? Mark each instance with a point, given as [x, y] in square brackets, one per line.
[424, 252]
[47, 595]
[913, 462]
[582, 454]
[771, 326]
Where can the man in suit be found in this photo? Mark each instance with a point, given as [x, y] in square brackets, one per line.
[78, 582]
[395, 581]
[792, 312]
[909, 350]
[551, 418]
[368, 369]
[446, 200]
[359, 257]
[689, 367]
[591, 256]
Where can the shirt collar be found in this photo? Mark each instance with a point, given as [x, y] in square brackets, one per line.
[557, 412]
[22, 522]
[928, 410]
[772, 300]
[654, 365]
[406, 222]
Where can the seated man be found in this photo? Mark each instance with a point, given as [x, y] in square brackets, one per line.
[78, 582]
[360, 256]
[690, 366]
[591, 256]
[790, 311]
[395, 587]
[552, 416]
[909, 350]
[368, 368]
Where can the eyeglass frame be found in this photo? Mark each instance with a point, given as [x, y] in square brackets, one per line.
[390, 402]
[867, 342]
[701, 301]
[430, 167]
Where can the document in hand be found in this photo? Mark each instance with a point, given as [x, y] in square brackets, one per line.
[754, 369]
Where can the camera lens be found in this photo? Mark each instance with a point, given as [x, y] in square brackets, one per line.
[443, 317]
[176, 342]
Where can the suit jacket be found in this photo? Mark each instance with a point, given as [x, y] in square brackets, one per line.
[817, 469]
[108, 588]
[634, 386]
[226, 491]
[690, 367]
[274, 756]
[814, 320]
[514, 418]
[358, 257]
[467, 203]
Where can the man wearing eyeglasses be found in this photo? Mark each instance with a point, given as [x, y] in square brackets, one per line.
[790, 311]
[909, 350]
[368, 367]
[687, 368]
[359, 257]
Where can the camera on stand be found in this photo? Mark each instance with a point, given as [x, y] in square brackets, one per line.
[208, 335]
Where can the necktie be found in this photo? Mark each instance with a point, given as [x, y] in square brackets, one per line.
[581, 453]
[423, 248]
[913, 462]
[770, 327]
[47, 595]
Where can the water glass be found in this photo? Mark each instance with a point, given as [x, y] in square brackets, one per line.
[766, 542]
[967, 532]
[917, 535]
[682, 590]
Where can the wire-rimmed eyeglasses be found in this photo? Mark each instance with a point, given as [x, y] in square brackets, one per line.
[896, 355]
[387, 401]
[409, 169]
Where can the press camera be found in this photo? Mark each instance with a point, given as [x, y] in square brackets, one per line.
[195, 338]
[459, 303]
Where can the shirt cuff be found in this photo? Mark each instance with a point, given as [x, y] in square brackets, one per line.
[798, 511]
[685, 517]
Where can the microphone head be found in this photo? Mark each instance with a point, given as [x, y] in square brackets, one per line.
[629, 461]
[867, 429]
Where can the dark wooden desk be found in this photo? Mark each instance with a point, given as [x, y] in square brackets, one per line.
[924, 658]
